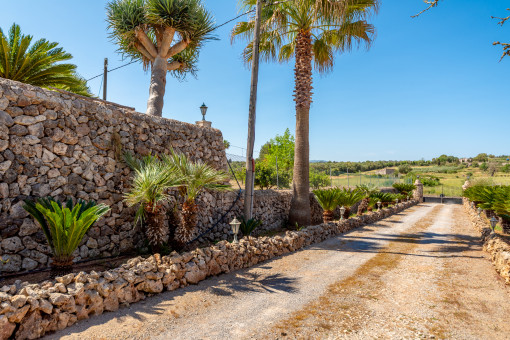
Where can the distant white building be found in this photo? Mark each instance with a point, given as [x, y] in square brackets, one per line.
[386, 171]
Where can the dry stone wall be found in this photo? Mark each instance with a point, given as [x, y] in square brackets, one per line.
[28, 311]
[496, 245]
[68, 146]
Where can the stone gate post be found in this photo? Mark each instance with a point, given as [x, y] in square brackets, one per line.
[418, 192]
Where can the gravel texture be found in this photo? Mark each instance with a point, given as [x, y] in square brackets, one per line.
[417, 274]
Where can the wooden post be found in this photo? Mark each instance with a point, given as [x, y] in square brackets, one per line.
[250, 162]
[105, 77]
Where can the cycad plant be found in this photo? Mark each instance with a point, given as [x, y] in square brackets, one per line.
[151, 183]
[311, 32]
[196, 176]
[38, 63]
[367, 190]
[64, 225]
[166, 35]
[404, 189]
[248, 226]
[328, 200]
[349, 197]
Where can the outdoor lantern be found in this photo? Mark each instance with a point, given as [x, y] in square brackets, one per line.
[396, 200]
[342, 212]
[379, 206]
[203, 109]
[235, 228]
[479, 211]
[494, 222]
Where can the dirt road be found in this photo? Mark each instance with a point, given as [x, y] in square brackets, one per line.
[419, 274]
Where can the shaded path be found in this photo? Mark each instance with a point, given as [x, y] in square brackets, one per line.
[404, 265]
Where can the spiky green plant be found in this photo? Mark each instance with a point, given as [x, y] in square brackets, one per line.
[64, 225]
[197, 176]
[248, 226]
[349, 197]
[311, 32]
[38, 63]
[166, 35]
[404, 188]
[328, 200]
[151, 183]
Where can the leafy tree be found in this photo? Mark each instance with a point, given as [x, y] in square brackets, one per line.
[318, 180]
[145, 31]
[405, 169]
[280, 148]
[484, 166]
[480, 158]
[38, 63]
[506, 168]
[310, 32]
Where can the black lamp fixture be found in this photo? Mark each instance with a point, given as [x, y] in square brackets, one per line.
[203, 109]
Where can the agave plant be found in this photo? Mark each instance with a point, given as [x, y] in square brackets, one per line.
[248, 226]
[196, 177]
[328, 200]
[64, 225]
[149, 191]
[348, 197]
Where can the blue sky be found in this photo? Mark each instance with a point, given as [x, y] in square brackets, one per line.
[427, 86]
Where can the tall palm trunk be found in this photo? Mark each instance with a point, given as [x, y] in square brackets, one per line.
[300, 211]
[157, 87]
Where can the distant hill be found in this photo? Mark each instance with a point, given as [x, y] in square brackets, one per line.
[314, 161]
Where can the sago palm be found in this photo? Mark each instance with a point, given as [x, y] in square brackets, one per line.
[328, 200]
[310, 32]
[64, 225]
[38, 63]
[164, 34]
[149, 191]
[349, 197]
[196, 177]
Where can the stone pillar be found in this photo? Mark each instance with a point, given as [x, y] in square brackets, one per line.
[204, 123]
[418, 192]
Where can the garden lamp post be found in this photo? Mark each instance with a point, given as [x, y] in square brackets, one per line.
[479, 211]
[494, 222]
[379, 206]
[342, 212]
[235, 228]
[203, 110]
[396, 201]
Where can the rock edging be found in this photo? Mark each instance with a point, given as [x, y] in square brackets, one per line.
[28, 311]
[494, 244]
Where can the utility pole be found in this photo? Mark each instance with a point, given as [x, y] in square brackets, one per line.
[105, 77]
[250, 162]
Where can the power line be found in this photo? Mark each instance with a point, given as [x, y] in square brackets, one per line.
[213, 29]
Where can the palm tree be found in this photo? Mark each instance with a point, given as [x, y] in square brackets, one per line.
[145, 31]
[151, 182]
[367, 191]
[196, 177]
[38, 63]
[310, 31]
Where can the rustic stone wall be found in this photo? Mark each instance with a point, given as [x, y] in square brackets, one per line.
[28, 311]
[68, 146]
[496, 245]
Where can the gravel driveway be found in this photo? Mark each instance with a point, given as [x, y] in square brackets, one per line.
[418, 274]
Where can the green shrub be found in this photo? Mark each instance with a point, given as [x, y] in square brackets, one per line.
[430, 181]
[405, 169]
[248, 226]
[64, 225]
[318, 180]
